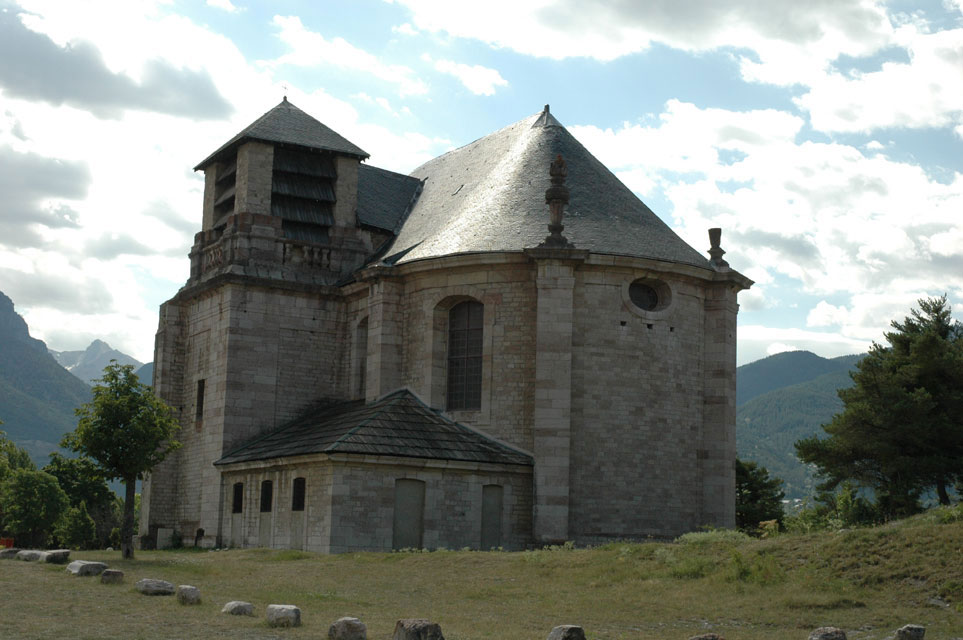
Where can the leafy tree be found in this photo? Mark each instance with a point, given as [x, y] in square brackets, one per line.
[758, 497]
[127, 430]
[77, 529]
[12, 458]
[33, 504]
[83, 482]
[901, 428]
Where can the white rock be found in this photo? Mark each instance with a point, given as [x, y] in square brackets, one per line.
[86, 568]
[238, 608]
[911, 632]
[283, 615]
[567, 632]
[29, 555]
[347, 629]
[112, 576]
[188, 594]
[152, 587]
[417, 629]
[57, 556]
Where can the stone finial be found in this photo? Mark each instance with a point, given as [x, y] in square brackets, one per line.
[417, 629]
[715, 251]
[556, 197]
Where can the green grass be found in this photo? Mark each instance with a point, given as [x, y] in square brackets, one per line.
[871, 580]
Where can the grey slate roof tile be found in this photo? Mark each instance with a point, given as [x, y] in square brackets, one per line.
[490, 196]
[384, 197]
[396, 425]
[286, 124]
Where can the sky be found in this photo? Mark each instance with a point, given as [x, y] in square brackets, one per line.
[824, 137]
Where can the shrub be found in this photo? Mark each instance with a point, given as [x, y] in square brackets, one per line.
[716, 536]
[77, 529]
[33, 503]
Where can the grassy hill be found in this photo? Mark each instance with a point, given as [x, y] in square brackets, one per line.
[37, 395]
[869, 582]
[769, 422]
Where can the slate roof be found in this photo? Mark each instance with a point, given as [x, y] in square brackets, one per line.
[490, 196]
[286, 124]
[398, 424]
[384, 197]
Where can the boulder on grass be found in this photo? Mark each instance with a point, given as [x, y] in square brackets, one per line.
[828, 633]
[152, 587]
[29, 555]
[188, 594]
[86, 568]
[417, 629]
[567, 632]
[283, 615]
[238, 608]
[347, 629]
[112, 576]
[57, 556]
[9, 554]
[708, 636]
[911, 632]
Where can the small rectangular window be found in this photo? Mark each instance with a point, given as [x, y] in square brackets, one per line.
[267, 494]
[199, 404]
[237, 503]
[297, 495]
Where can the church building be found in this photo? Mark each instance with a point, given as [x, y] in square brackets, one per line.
[504, 349]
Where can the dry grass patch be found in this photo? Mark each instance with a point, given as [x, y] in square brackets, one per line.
[871, 580]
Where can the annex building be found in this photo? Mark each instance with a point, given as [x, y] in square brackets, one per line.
[504, 348]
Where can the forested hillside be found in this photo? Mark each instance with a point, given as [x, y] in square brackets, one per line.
[37, 395]
[768, 423]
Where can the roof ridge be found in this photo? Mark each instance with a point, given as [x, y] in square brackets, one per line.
[481, 434]
[364, 422]
[290, 424]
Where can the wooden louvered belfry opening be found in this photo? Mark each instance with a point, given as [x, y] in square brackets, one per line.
[302, 193]
[224, 188]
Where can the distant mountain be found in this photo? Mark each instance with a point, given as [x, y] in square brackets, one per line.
[783, 370]
[88, 365]
[146, 373]
[37, 395]
[773, 416]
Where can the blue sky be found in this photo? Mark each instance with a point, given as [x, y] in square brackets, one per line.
[825, 138]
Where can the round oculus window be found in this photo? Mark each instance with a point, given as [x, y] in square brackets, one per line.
[649, 295]
[644, 296]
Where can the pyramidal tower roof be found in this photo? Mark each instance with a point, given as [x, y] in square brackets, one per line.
[286, 124]
[490, 196]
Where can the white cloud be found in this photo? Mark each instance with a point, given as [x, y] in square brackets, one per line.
[826, 315]
[405, 29]
[824, 215]
[478, 79]
[226, 5]
[925, 92]
[311, 49]
[779, 347]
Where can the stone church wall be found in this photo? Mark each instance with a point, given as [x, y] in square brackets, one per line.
[636, 409]
[505, 286]
[349, 504]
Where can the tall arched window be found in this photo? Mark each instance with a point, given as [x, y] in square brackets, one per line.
[465, 355]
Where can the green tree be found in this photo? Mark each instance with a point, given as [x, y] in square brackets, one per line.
[127, 430]
[758, 496]
[901, 428]
[77, 529]
[33, 505]
[83, 482]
